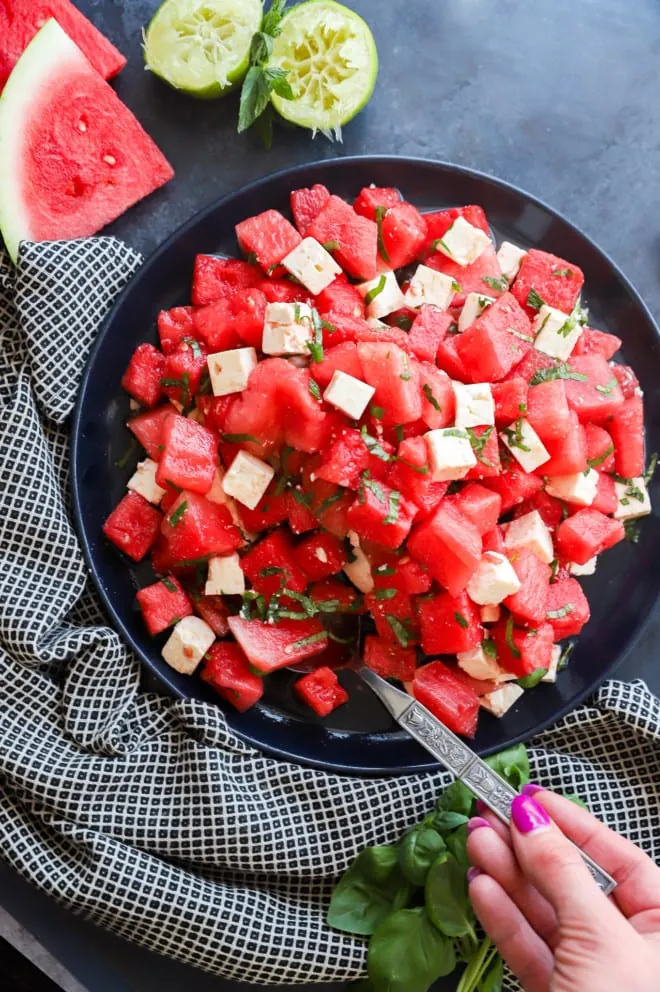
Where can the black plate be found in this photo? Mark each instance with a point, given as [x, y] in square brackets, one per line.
[360, 737]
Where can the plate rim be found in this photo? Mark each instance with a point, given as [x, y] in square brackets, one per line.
[149, 262]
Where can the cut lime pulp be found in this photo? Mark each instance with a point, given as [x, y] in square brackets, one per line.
[202, 46]
[332, 63]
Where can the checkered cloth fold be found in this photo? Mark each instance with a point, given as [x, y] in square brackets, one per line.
[148, 815]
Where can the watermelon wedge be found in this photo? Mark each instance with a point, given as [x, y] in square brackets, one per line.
[72, 156]
[21, 19]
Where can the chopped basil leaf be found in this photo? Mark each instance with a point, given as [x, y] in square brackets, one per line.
[508, 637]
[251, 258]
[331, 245]
[374, 486]
[376, 291]
[328, 502]
[562, 612]
[398, 433]
[192, 562]
[315, 346]
[567, 328]
[169, 585]
[559, 371]
[182, 383]
[567, 273]
[125, 458]
[479, 442]
[374, 447]
[501, 285]
[175, 517]
[595, 462]
[173, 485]
[382, 250]
[489, 649]
[314, 389]
[529, 681]
[564, 656]
[305, 499]
[554, 565]
[205, 383]
[632, 491]
[271, 570]
[650, 471]
[304, 641]
[420, 469]
[456, 286]
[456, 432]
[297, 313]
[385, 593]
[534, 300]
[393, 511]
[407, 371]
[327, 326]
[403, 321]
[609, 387]
[194, 347]
[240, 438]
[377, 412]
[631, 528]
[522, 408]
[461, 621]
[340, 640]
[399, 630]
[428, 392]
[514, 436]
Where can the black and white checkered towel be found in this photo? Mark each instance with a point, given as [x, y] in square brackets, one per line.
[148, 815]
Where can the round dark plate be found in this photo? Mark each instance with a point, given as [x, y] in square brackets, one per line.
[360, 737]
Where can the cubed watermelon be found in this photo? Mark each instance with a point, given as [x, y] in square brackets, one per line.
[407, 475]
[627, 430]
[269, 237]
[183, 372]
[332, 590]
[345, 459]
[320, 555]
[321, 691]
[448, 545]
[600, 449]
[448, 358]
[592, 342]
[149, 429]
[494, 540]
[600, 396]
[485, 445]
[356, 236]
[343, 357]
[133, 525]
[482, 276]
[219, 278]
[438, 399]
[306, 204]
[480, 505]
[548, 411]
[271, 564]
[585, 534]
[270, 646]
[447, 697]
[163, 604]
[628, 381]
[394, 617]
[249, 311]
[371, 197]
[403, 232]
[429, 328]
[173, 326]
[215, 326]
[381, 514]
[522, 652]
[390, 661]
[555, 280]
[142, 378]
[227, 670]
[514, 486]
[195, 529]
[567, 608]
[569, 454]
[396, 380]
[213, 610]
[271, 510]
[606, 498]
[488, 349]
[449, 624]
[392, 571]
[438, 222]
[510, 397]
[529, 604]
[551, 510]
[340, 296]
[190, 456]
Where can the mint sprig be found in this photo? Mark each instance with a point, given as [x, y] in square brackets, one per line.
[262, 80]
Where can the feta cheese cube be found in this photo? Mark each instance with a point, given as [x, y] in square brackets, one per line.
[229, 371]
[450, 453]
[633, 499]
[216, 494]
[529, 531]
[580, 488]
[551, 674]
[429, 286]
[525, 445]
[348, 394]
[475, 406]
[312, 265]
[588, 568]
[225, 576]
[502, 699]
[510, 257]
[555, 333]
[143, 481]
[494, 579]
[383, 294]
[359, 570]
[288, 328]
[489, 614]
[187, 645]
[474, 306]
[479, 665]
[247, 479]
[463, 242]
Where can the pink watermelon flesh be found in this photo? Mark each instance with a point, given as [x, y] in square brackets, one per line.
[85, 157]
[21, 19]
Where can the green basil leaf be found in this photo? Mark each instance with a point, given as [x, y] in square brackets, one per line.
[492, 980]
[445, 821]
[446, 898]
[379, 862]
[278, 82]
[512, 765]
[255, 97]
[417, 852]
[457, 798]
[407, 953]
[359, 904]
[457, 844]
[531, 680]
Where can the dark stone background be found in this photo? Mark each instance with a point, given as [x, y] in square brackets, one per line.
[560, 98]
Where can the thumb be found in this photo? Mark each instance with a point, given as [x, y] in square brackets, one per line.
[554, 866]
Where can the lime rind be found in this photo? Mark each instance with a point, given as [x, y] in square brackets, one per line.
[202, 47]
[330, 55]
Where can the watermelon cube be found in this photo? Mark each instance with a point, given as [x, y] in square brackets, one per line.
[488, 349]
[600, 449]
[149, 429]
[448, 545]
[568, 455]
[592, 342]
[356, 236]
[585, 534]
[550, 509]
[269, 237]
[142, 378]
[332, 590]
[567, 608]
[600, 396]
[494, 540]
[447, 697]
[396, 380]
[448, 358]
[514, 486]
[438, 398]
[163, 604]
[345, 459]
[227, 670]
[183, 372]
[283, 291]
[555, 280]
[343, 357]
[522, 652]
[173, 326]
[438, 222]
[627, 430]
[249, 311]
[321, 691]
[394, 617]
[340, 296]
[429, 328]
[403, 232]
[548, 410]
[606, 499]
[190, 456]
[510, 397]
[301, 518]
[628, 381]
[270, 646]
[391, 571]
[220, 278]
[306, 204]
[214, 611]
[413, 455]
[481, 276]
[486, 447]
[271, 564]
[381, 514]
[195, 529]
[480, 505]
[215, 326]
[371, 197]
[320, 555]
[449, 624]
[529, 604]
[133, 525]
[390, 661]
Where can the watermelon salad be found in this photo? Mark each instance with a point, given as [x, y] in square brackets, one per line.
[378, 414]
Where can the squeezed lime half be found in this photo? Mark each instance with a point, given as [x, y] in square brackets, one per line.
[202, 47]
[331, 58]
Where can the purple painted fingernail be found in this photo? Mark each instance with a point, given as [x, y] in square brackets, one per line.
[481, 807]
[528, 815]
[476, 822]
[472, 873]
[531, 789]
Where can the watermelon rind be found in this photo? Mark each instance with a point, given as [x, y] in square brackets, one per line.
[202, 47]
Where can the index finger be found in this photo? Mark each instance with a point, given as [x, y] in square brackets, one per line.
[636, 875]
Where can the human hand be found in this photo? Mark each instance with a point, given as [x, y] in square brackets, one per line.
[536, 899]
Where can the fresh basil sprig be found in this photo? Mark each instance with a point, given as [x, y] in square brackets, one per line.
[262, 79]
